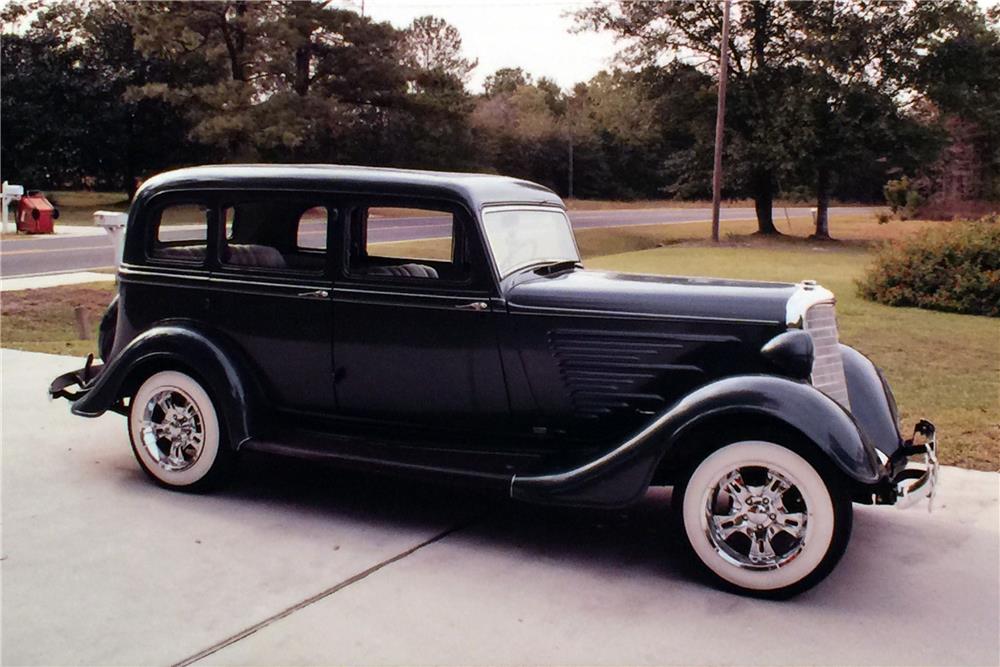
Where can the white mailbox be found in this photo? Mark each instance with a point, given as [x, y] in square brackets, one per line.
[11, 193]
[113, 223]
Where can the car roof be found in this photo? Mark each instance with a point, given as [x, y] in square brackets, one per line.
[476, 190]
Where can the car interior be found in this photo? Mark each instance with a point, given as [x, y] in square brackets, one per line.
[265, 235]
[276, 234]
[445, 253]
[271, 234]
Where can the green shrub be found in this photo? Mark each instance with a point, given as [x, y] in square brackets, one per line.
[953, 267]
[903, 197]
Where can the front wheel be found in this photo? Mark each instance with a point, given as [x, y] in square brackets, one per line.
[763, 520]
[176, 434]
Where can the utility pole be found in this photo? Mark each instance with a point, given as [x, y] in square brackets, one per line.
[720, 120]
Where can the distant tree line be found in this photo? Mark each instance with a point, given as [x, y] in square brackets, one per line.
[827, 100]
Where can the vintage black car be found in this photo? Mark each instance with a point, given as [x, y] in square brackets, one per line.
[267, 309]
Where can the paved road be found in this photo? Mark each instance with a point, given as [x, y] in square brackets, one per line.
[46, 255]
[303, 565]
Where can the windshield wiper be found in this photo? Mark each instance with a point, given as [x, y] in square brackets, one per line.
[555, 267]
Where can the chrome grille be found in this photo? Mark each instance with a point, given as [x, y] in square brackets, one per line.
[828, 366]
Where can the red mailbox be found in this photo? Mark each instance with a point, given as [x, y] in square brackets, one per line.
[35, 214]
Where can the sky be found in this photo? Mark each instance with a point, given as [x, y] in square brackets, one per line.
[534, 35]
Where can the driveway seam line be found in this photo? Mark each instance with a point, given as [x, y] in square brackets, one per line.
[288, 611]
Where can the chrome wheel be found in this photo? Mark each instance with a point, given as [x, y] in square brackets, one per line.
[176, 433]
[762, 518]
[756, 518]
[172, 429]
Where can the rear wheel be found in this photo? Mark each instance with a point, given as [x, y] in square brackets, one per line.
[762, 519]
[176, 434]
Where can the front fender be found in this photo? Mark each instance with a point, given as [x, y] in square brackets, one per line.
[623, 474]
[872, 403]
[184, 346]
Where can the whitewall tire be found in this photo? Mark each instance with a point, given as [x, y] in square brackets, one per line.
[176, 434]
[762, 519]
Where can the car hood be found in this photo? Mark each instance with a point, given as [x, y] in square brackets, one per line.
[626, 294]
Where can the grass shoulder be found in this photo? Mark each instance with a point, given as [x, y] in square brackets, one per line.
[43, 320]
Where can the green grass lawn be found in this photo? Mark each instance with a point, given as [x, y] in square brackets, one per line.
[42, 320]
[942, 366]
[77, 207]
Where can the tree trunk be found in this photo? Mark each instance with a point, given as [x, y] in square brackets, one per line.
[303, 60]
[763, 198]
[822, 202]
[762, 180]
[236, 41]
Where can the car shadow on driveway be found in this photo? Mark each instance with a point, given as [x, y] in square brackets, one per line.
[887, 550]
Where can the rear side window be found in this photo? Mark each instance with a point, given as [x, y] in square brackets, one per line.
[276, 232]
[181, 233]
[311, 232]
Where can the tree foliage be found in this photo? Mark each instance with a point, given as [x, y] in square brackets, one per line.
[828, 99]
[819, 91]
[432, 45]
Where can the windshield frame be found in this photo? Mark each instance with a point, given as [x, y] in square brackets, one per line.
[500, 208]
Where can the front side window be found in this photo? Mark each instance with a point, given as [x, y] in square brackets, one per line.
[181, 233]
[523, 237]
[404, 243]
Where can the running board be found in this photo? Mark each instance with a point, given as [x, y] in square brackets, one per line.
[458, 466]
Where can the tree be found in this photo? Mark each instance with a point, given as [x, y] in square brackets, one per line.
[656, 34]
[520, 134]
[851, 56]
[219, 37]
[960, 75]
[505, 80]
[65, 117]
[432, 44]
[291, 77]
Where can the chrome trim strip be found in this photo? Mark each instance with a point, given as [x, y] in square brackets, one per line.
[522, 207]
[367, 292]
[219, 279]
[185, 272]
[573, 312]
[320, 284]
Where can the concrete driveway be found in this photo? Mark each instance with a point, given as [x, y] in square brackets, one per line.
[298, 565]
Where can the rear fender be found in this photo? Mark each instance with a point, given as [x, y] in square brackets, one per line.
[180, 346]
[622, 475]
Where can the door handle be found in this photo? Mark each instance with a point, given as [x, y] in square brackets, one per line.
[475, 305]
[315, 294]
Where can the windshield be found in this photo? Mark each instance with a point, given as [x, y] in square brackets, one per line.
[527, 237]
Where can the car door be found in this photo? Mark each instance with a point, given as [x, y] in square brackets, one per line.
[271, 293]
[415, 322]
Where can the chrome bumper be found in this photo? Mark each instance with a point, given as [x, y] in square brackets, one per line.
[62, 386]
[915, 467]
